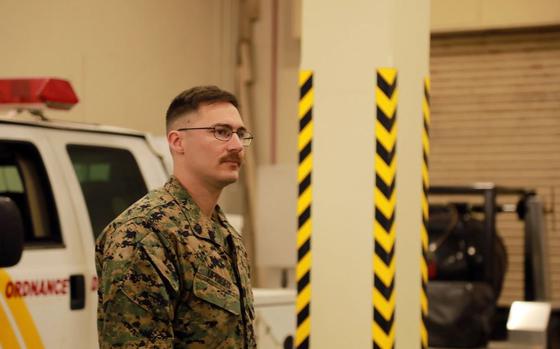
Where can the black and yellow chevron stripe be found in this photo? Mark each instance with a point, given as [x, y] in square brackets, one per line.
[386, 97]
[303, 269]
[425, 212]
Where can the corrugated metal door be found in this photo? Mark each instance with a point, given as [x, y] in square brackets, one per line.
[496, 118]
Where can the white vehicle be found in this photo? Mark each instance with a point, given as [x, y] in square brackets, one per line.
[60, 184]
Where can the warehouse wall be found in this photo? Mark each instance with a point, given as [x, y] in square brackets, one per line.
[127, 58]
[460, 15]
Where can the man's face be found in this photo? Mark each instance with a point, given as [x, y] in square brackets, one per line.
[207, 159]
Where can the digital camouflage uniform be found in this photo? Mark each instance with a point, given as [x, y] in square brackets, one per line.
[168, 281]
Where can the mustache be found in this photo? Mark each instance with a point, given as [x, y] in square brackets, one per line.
[234, 157]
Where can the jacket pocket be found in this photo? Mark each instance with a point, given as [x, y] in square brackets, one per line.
[210, 290]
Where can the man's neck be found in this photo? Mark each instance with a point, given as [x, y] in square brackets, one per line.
[203, 194]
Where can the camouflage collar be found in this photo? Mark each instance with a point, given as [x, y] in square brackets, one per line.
[214, 232]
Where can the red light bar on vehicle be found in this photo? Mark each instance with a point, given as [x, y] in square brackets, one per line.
[37, 92]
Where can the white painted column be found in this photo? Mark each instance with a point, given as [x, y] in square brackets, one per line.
[344, 43]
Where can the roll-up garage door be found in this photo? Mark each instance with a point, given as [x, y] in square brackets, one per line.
[496, 118]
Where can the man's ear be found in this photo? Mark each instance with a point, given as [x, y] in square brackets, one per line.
[175, 142]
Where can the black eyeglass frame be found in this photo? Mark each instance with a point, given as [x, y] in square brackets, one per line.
[246, 141]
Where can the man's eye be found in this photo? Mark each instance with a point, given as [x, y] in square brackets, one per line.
[223, 132]
[242, 133]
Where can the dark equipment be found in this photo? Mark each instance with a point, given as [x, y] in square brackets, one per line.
[467, 262]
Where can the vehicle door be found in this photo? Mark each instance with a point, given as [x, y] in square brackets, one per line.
[105, 174]
[42, 298]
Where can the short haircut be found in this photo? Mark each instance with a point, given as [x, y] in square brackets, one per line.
[191, 99]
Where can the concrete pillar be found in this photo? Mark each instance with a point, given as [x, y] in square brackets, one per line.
[344, 43]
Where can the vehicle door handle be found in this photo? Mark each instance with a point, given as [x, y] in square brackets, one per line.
[77, 292]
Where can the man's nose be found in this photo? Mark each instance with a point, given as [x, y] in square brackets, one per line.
[235, 143]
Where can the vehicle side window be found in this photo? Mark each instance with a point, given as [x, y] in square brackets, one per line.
[110, 180]
[23, 179]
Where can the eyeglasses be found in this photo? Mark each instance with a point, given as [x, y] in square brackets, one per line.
[225, 132]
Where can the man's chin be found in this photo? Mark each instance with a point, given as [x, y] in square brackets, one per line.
[229, 179]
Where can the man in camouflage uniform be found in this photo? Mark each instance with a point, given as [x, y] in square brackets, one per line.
[173, 272]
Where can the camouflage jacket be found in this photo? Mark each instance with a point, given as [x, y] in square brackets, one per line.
[166, 280]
